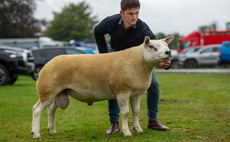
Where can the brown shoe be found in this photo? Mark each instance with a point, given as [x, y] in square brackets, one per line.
[157, 125]
[114, 128]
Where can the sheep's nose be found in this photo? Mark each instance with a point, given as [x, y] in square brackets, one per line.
[168, 52]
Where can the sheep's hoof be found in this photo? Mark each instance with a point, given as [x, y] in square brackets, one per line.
[38, 136]
[126, 133]
[90, 104]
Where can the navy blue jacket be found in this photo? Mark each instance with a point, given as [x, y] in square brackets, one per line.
[120, 38]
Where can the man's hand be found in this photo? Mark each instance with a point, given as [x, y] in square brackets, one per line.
[164, 64]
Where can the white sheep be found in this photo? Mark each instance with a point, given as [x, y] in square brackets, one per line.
[121, 75]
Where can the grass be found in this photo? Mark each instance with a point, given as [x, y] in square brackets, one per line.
[194, 106]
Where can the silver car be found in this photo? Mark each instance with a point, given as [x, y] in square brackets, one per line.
[194, 57]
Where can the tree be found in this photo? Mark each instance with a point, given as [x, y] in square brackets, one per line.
[160, 35]
[74, 22]
[173, 43]
[211, 27]
[16, 19]
[228, 25]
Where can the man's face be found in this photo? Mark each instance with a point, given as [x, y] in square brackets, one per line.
[130, 16]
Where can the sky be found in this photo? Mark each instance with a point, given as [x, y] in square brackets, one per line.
[166, 16]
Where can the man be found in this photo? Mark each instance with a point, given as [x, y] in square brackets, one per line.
[127, 30]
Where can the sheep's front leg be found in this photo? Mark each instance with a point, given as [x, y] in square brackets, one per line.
[135, 104]
[123, 100]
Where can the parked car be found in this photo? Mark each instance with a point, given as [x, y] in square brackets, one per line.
[225, 53]
[14, 62]
[174, 62]
[88, 50]
[199, 56]
[44, 55]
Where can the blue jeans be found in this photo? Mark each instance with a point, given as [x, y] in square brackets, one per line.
[153, 96]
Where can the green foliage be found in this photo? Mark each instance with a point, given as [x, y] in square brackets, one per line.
[211, 27]
[173, 43]
[16, 19]
[74, 22]
[194, 106]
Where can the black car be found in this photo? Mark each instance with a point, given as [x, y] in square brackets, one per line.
[44, 55]
[13, 62]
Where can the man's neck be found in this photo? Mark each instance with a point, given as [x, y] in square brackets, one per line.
[126, 25]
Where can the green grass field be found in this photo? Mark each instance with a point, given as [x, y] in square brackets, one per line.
[196, 107]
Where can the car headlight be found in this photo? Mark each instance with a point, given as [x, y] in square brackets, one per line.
[16, 54]
[13, 54]
[182, 58]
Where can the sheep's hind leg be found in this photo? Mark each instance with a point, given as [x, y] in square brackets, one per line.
[62, 101]
[37, 111]
[51, 116]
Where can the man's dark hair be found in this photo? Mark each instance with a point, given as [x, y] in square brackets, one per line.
[127, 4]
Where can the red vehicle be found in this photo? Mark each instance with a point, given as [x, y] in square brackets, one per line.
[201, 39]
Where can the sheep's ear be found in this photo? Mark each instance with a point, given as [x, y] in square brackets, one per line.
[168, 39]
[147, 41]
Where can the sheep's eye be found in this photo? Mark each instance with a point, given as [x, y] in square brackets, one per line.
[152, 47]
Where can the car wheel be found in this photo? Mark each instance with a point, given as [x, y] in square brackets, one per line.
[13, 80]
[191, 64]
[4, 75]
[36, 73]
[174, 65]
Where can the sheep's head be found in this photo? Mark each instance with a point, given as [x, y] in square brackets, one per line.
[157, 50]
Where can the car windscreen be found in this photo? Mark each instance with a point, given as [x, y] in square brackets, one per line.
[190, 50]
[52, 52]
[73, 51]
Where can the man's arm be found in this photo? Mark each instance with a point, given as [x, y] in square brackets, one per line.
[99, 32]
[149, 33]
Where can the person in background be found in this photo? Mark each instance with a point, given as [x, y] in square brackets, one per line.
[127, 30]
